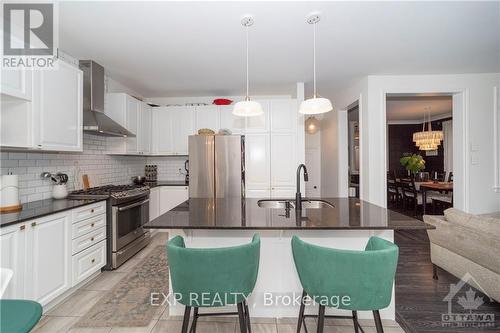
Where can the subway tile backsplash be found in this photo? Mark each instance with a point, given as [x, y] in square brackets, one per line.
[102, 169]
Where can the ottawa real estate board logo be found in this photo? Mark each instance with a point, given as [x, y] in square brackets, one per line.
[464, 306]
[29, 38]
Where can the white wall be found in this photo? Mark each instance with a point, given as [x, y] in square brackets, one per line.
[475, 106]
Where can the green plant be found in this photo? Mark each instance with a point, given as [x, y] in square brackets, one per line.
[413, 163]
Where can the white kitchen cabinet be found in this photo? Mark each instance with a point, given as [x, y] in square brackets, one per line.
[154, 203]
[283, 115]
[51, 118]
[135, 116]
[258, 124]
[284, 192]
[207, 117]
[257, 166]
[229, 121]
[58, 104]
[283, 159]
[183, 127]
[13, 256]
[145, 132]
[162, 140]
[48, 257]
[172, 196]
[16, 83]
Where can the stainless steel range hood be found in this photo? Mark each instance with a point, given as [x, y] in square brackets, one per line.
[94, 119]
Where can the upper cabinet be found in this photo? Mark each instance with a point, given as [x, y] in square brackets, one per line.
[171, 129]
[42, 109]
[58, 108]
[135, 116]
[207, 117]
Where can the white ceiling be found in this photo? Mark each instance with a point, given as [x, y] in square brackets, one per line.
[413, 108]
[197, 48]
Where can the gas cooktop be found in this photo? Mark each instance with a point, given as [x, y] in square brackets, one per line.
[111, 191]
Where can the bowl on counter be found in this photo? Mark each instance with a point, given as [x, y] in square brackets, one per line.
[139, 180]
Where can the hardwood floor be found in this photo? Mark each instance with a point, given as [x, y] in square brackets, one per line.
[419, 298]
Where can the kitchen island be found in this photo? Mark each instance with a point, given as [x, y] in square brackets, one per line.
[345, 223]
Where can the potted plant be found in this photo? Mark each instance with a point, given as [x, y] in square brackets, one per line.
[414, 163]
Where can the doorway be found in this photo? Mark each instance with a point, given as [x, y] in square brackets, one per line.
[419, 155]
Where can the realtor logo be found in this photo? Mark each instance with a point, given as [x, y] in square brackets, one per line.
[28, 29]
[470, 302]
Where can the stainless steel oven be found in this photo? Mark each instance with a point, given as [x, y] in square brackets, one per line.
[128, 235]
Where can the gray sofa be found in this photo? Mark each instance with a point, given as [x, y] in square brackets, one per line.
[464, 243]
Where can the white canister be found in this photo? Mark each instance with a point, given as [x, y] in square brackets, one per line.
[9, 191]
[59, 191]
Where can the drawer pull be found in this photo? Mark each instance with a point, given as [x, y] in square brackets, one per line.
[92, 225]
[93, 260]
[22, 227]
[92, 210]
[33, 224]
[92, 239]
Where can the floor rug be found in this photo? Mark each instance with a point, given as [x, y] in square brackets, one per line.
[128, 304]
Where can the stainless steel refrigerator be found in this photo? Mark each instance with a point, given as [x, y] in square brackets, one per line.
[217, 166]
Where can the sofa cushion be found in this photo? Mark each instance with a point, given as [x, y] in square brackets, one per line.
[457, 216]
[487, 223]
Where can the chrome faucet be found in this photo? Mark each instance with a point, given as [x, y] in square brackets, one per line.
[298, 195]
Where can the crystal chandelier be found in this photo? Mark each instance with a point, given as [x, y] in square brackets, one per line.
[428, 139]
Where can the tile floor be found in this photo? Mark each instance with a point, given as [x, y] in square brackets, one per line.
[62, 317]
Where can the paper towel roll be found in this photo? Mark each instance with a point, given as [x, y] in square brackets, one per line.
[9, 191]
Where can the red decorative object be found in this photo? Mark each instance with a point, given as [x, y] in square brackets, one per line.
[222, 101]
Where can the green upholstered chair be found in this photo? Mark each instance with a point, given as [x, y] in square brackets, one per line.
[213, 277]
[19, 316]
[365, 278]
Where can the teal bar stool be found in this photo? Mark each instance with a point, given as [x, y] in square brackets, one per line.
[365, 277]
[213, 278]
[19, 316]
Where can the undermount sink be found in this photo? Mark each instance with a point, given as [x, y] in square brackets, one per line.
[276, 204]
[283, 204]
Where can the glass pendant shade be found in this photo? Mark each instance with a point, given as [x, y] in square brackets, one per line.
[312, 125]
[247, 109]
[315, 105]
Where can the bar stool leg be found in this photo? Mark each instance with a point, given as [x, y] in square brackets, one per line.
[247, 317]
[185, 321]
[301, 311]
[355, 320]
[195, 321]
[378, 322]
[241, 316]
[321, 318]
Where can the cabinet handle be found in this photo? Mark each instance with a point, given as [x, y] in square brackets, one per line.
[92, 210]
[33, 224]
[92, 224]
[22, 227]
[93, 260]
[92, 239]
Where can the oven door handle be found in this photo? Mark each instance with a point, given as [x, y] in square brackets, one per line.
[121, 209]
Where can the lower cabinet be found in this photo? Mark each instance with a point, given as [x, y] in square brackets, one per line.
[51, 254]
[171, 196]
[48, 257]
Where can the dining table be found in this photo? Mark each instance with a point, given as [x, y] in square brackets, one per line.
[423, 187]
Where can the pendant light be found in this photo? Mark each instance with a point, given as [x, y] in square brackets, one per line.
[428, 139]
[312, 125]
[316, 104]
[247, 108]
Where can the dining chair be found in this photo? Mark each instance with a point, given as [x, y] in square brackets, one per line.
[327, 274]
[215, 277]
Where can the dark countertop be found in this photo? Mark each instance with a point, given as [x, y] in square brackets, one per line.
[166, 183]
[36, 209]
[347, 214]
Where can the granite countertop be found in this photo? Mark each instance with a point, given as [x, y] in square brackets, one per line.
[36, 209]
[347, 214]
[166, 183]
